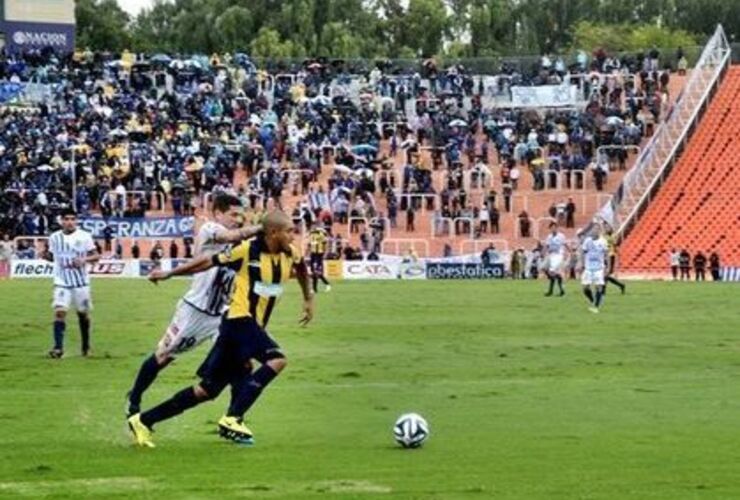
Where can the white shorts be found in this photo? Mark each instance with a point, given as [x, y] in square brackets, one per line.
[78, 297]
[592, 277]
[554, 263]
[189, 328]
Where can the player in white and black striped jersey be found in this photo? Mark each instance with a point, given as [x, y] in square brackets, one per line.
[72, 249]
[198, 314]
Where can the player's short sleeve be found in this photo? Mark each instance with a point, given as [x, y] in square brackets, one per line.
[232, 255]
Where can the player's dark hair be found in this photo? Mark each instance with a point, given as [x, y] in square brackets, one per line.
[67, 211]
[223, 202]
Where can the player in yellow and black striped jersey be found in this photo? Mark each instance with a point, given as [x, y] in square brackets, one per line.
[611, 241]
[318, 242]
[262, 264]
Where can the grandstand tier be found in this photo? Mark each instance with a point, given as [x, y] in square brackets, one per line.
[698, 206]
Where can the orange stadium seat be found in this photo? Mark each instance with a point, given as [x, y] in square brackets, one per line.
[698, 207]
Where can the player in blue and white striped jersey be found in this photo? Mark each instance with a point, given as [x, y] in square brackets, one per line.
[555, 246]
[72, 249]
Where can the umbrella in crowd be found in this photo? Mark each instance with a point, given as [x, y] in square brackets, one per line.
[458, 123]
[161, 58]
[364, 149]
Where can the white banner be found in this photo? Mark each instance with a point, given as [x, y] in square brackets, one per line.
[544, 96]
[383, 270]
[38, 268]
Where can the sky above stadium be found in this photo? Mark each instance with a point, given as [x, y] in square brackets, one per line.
[134, 6]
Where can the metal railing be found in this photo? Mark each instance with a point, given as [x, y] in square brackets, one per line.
[641, 182]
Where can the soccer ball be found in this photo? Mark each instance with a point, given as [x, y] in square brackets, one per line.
[411, 430]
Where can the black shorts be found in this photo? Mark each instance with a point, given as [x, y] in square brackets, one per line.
[239, 340]
[317, 263]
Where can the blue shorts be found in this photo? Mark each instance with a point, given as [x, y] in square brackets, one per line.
[239, 341]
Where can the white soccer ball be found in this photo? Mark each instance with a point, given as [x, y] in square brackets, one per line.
[411, 430]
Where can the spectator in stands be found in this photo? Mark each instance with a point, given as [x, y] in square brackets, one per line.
[410, 215]
[108, 237]
[174, 249]
[135, 250]
[684, 264]
[675, 260]
[447, 250]
[118, 252]
[188, 244]
[570, 212]
[507, 192]
[157, 252]
[495, 216]
[700, 265]
[714, 266]
[524, 224]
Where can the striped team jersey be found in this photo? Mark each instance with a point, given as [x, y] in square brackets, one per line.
[210, 290]
[66, 248]
[259, 278]
[317, 241]
[555, 244]
[594, 254]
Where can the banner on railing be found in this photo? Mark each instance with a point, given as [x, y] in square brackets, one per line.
[134, 227]
[38, 268]
[544, 96]
[461, 271]
[383, 270]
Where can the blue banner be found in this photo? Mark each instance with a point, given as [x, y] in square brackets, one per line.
[460, 271]
[135, 227]
[25, 36]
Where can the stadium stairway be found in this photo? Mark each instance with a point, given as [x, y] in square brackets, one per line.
[698, 206]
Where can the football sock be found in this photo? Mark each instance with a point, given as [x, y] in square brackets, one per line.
[315, 281]
[59, 334]
[552, 284]
[251, 390]
[560, 283]
[599, 297]
[612, 279]
[147, 373]
[589, 294]
[183, 400]
[84, 320]
[324, 280]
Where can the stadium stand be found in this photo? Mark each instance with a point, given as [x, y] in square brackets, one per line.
[698, 206]
[360, 153]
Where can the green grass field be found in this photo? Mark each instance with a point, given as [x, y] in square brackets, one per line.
[527, 397]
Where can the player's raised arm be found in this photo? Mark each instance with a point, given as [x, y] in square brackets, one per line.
[236, 235]
[198, 264]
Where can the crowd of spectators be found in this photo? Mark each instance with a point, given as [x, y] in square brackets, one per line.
[127, 135]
